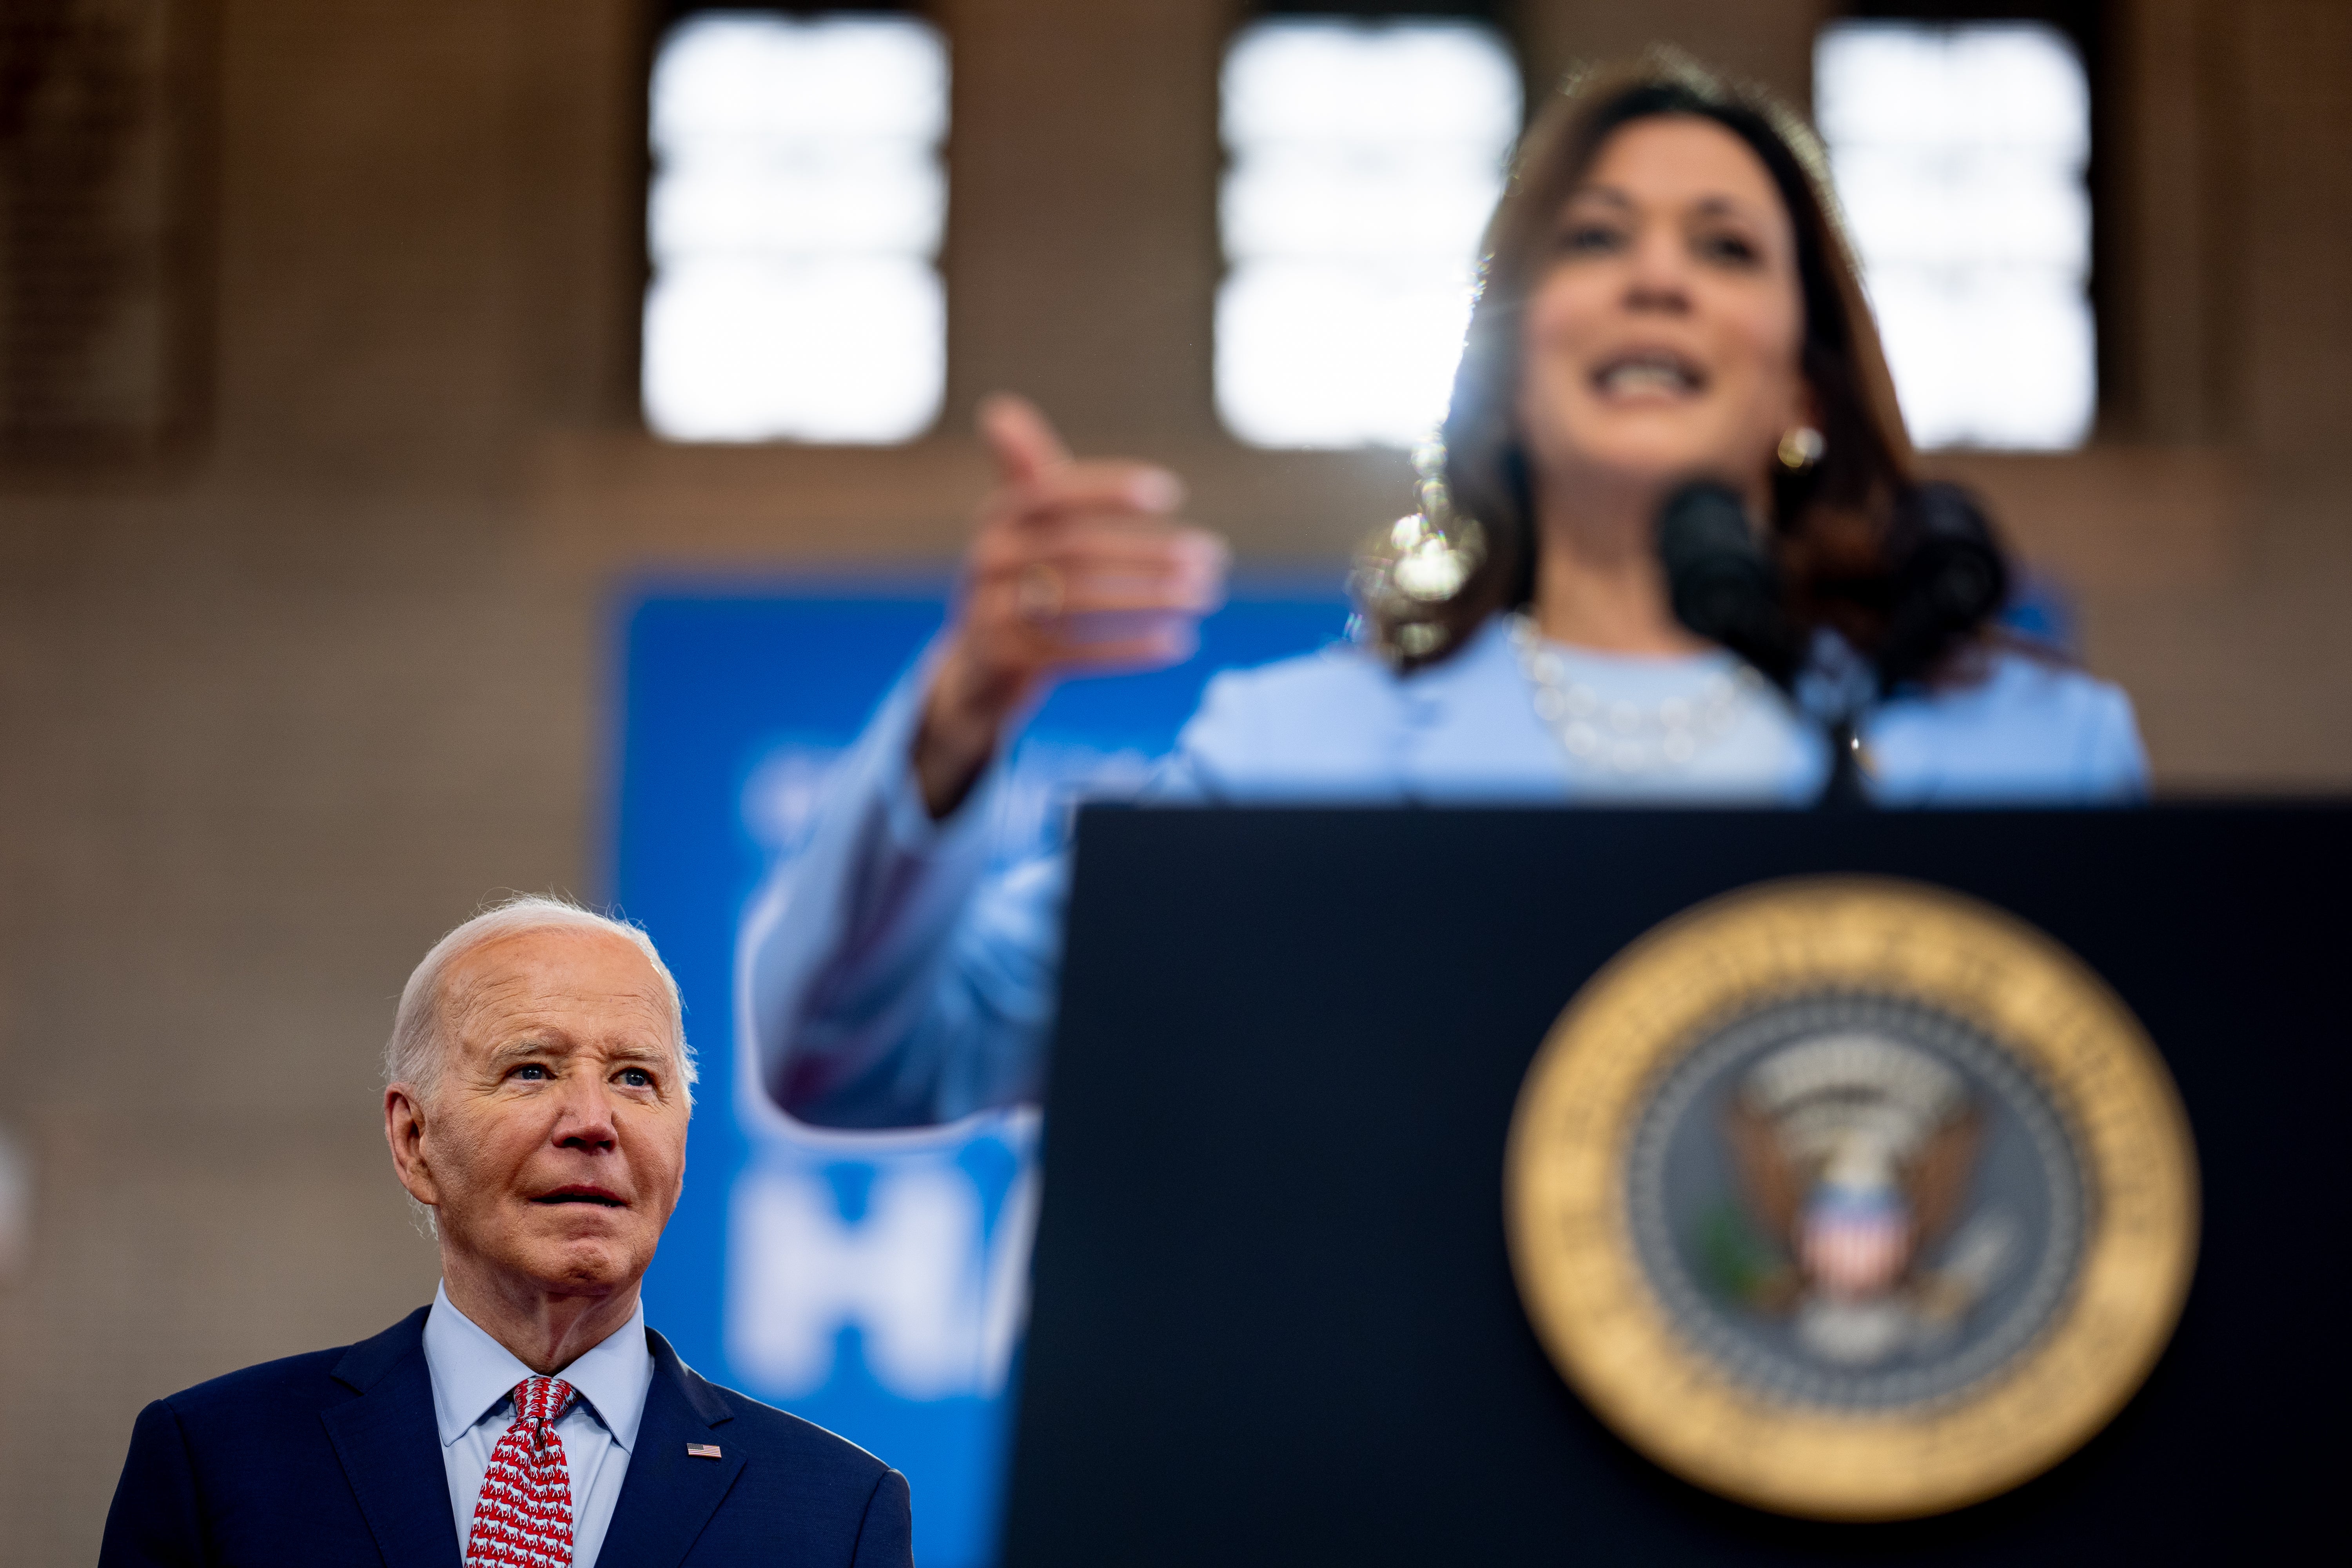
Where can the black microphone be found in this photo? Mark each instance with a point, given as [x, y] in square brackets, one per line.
[1723, 583]
[1948, 578]
[1725, 587]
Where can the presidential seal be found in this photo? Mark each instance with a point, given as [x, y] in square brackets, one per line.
[1851, 1198]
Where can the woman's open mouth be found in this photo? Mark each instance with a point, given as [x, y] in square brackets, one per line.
[1649, 373]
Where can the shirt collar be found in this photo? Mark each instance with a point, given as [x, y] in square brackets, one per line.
[473, 1374]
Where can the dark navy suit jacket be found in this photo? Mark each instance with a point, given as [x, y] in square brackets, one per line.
[333, 1459]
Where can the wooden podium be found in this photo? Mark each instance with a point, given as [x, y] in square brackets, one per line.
[1274, 1321]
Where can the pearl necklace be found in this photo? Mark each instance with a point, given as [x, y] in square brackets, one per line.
[1625, 737]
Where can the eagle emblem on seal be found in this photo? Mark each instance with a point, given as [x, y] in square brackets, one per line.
[1855, 1155]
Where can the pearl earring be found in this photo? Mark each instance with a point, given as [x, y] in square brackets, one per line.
[1801, 447]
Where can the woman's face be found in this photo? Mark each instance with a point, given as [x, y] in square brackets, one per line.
[1662, 339]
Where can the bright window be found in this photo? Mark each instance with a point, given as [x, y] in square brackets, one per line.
[1958, 153]
[795, 218]
[1363, 160]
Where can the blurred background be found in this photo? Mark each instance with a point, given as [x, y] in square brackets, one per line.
[370, 372]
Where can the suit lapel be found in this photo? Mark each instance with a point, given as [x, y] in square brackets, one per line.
[669, 1496]
[390, 1451]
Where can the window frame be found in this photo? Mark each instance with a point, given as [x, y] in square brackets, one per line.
[655, 19]
[2082, 24]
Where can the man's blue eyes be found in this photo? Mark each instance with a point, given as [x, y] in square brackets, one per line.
[635, 1078]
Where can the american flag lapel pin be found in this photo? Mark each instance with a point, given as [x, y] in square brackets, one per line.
[702, 1450]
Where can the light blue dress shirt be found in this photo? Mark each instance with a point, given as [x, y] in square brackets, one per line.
[896, 973]
[473, 1403]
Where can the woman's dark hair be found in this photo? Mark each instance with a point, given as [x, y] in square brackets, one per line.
[1831, 520]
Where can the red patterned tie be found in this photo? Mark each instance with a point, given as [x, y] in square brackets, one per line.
[523, 1518]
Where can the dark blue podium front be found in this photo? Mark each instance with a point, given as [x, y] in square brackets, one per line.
[1274, 1319]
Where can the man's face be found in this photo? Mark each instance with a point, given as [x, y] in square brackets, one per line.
[553, 1147]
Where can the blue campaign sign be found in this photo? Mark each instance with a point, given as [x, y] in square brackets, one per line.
[874, 1283]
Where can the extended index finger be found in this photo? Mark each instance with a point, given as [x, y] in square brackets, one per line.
[1026, 446]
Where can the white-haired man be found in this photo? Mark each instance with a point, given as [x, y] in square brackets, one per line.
[538, 1087]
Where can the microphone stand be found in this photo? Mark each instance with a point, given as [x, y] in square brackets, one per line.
[1844, 789]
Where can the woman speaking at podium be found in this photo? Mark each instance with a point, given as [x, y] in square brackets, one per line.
[1667, 296]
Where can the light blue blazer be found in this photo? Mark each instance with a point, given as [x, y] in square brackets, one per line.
[889, 977]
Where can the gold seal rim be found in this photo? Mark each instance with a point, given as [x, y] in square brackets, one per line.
[1588, 1297]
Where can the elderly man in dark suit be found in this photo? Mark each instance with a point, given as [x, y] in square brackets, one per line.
[538, 1087]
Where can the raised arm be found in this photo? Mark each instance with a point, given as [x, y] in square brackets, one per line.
[889, 977]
